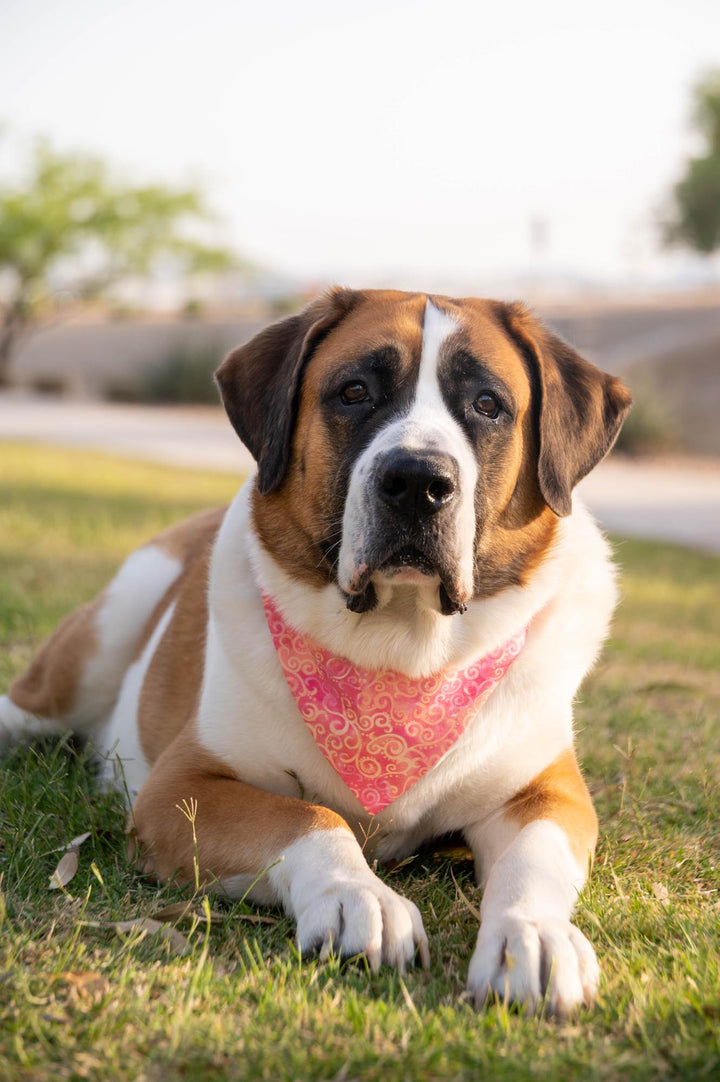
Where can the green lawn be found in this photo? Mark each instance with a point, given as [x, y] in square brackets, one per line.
[79, 1001]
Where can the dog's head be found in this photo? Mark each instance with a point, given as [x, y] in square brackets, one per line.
[404, 439]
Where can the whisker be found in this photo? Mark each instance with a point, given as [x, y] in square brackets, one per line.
[326, 554]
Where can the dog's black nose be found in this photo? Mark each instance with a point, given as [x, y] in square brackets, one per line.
[417, 483]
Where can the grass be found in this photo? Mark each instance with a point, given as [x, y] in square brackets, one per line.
[78, 1001]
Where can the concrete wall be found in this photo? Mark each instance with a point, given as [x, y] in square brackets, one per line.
[86, 359]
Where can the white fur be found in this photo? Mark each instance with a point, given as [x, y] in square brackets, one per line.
[526, 940]
[16, 725]
[128, 603]
[324, 882]
[124, 762]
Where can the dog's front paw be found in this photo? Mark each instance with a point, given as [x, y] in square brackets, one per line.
[523, 960]
[361, 915]
[340, 904]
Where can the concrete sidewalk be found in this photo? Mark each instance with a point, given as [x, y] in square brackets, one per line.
[677, 501]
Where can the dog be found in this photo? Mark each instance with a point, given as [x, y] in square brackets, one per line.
[378, 642]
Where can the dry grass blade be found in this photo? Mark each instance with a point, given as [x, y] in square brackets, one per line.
[256, 918]
[147, 926]
[408, 1000]
[178, 911]
[464, 898]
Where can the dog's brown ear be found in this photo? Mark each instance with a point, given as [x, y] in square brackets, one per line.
[580, 413]
[260, 382]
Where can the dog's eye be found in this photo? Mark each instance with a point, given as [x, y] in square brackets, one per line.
[353, 393]
[486, 404]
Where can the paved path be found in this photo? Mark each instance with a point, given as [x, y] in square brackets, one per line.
[199, 437]
[676, 501]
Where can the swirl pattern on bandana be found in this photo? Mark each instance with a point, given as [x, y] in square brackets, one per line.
[382, 731]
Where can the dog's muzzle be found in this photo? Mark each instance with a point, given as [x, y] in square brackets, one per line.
[415, 495]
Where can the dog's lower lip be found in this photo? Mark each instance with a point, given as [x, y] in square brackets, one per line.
[450, 605]
[410, 557]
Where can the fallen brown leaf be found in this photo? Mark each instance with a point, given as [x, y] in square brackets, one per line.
[449, 850]
[68, 864]
[86, 986]
[66, 868]
[661, 893]
[75, 843]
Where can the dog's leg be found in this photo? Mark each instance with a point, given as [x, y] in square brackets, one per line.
[298, 854]
[533, 857]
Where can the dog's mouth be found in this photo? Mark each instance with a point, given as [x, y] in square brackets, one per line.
[408, 558]
[362, 597]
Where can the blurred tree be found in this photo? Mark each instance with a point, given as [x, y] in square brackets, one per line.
[73, 221]
[694, 220]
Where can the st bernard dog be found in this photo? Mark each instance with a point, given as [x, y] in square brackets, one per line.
[378, 642]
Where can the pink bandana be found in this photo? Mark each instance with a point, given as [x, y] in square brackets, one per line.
[382, 731]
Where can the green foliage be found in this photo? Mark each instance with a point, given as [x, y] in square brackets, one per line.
[650, 427]
[694, 221]
[707, 109]
[78, 1001]
[72, 216]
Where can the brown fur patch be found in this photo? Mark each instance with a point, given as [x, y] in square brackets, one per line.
[517, 527]
[49, 687]
[579, 408]
[187, 538]
[559, 793]
[186, 541]
[240, 829]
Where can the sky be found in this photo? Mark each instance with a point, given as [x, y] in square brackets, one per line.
[383, 142]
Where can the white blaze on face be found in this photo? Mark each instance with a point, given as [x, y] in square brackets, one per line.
[437, 326]
[427, 426]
